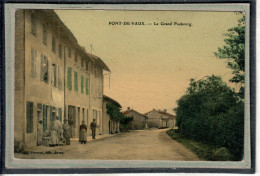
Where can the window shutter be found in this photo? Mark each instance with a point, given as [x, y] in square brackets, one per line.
[51, 114]
[32, 61]
[44, 117]
[42, 61]
[60, 114]
[29, 117]
[82, 84]
[76, 81]
[87, 86]
[69, 81]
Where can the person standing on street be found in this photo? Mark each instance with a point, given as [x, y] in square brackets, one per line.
[82, 133]
[66, 131]
[93, 128]
[39, 133]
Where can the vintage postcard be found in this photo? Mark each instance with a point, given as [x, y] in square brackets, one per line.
[127, 86]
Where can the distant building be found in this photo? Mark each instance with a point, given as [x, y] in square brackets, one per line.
[54, 76]
[139, 120]
[109, 126]
[160, 119]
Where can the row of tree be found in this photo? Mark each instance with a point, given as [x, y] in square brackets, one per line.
[211, 111]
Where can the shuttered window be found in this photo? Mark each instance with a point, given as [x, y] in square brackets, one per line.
[33, 62]
[53, 44]
[33, 24]
[76, 81]
[44, 69]
[51, 114]
[44, 117]
[60, 114]
[60, 51]
[86, 82]
[54, 75]
[29, 117]
[44, 34]
[69, 79]
[82, 84]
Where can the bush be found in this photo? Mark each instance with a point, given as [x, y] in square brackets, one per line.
[212, 113]
[222, 154]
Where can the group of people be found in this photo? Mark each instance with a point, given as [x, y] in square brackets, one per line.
[59, 135]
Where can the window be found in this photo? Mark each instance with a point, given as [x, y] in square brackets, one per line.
[54, 75]
[60, 114]
[59, 78]
[86, 66]
[29, 117]
[44, 117]
[82, 84]
[33, 62]
[82, 62]
[33, 24]
[53, 44]
[44, 69]
[69, 78]
[95, 114]
[86, 82]
[44, 34]
[60, 51]
[76, 58]
[69, 52]
[76, 81]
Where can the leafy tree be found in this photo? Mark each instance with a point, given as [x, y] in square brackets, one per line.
[234, 51]
[116, 115]
[211, 112]
[125, 120]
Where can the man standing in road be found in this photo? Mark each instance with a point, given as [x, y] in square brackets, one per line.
[93, 128]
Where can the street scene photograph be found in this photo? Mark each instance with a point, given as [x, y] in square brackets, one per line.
[129, 85]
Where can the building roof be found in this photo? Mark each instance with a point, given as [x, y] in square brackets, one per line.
[54, 18]
[163, 113]
[106, 98]
[131, 110]
[99, 62]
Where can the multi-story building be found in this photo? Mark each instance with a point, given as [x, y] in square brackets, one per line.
[44, 46]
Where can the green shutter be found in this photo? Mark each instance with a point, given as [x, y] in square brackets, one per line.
[44, 117]
[87, 86]
[29, 117]
[82, 84]
[76, 81]
[69, 81]
[60, 114]
[51, 114]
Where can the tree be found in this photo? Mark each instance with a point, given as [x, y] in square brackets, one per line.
[117, 116]
[234, 51]
[211, 112]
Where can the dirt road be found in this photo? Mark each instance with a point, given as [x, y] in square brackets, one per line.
[152, 144]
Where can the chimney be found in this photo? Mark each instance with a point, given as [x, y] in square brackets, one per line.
[165, 110]
[128, 108]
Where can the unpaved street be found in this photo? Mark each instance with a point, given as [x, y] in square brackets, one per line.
[152, 144]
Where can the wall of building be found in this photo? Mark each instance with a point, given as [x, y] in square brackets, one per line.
[19, 104]
[154, 119]
[108, 125]
[45, 97]
[171, 123]
[138, 122]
